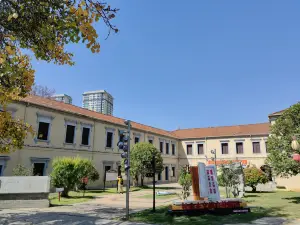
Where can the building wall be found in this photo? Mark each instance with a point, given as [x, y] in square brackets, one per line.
[215, 143]
[45, 151]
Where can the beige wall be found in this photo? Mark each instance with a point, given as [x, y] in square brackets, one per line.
[45, 151]
[215, 143]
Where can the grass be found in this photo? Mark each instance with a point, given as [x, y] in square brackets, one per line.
[280, 204]
[77, 197]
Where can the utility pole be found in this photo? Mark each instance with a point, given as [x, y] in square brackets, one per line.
[127, 122]
[124, 144]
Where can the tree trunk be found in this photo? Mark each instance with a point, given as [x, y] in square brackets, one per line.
[142, 181]
[65, 193]
[253, 188]
[135, 181]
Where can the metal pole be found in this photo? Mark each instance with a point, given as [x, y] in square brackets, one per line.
[215, 158]
[153, 160]
[128, 173]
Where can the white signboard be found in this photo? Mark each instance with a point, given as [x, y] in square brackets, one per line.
[203, 185]
[213, 187]
[59, 189]
[111, 176]
[27, 184]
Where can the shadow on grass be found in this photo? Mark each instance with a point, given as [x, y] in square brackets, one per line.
[251, 196]
[160, 188]
[162, 217]
[295, 200]
[259, 192]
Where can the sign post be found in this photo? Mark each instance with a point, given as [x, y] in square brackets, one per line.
[153, 167]
[59, 190]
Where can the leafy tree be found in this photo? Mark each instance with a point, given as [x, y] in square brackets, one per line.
[141, 160]
[43, 28]
[21, 170]
[279, 143]
[254, 176]
[68, 173]
[230, 178]
[42, 91]
[185, 181]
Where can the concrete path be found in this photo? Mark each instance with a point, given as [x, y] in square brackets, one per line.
[102, 210]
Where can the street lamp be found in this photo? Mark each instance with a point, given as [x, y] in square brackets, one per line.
[295, 146]
[214, 152]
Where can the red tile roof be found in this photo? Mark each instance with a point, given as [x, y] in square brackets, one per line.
[225, 131]
[277, 113]
[60, 106]
[239, 130]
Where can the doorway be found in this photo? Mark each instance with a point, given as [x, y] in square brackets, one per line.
[38, 169]
[167, 172]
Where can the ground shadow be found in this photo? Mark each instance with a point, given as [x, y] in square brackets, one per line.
[251, 196]
[295, 200]
[54, 218]
[266, 192]
[162, 217]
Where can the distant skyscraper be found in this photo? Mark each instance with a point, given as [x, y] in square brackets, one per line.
[99, 101]
[63, 98]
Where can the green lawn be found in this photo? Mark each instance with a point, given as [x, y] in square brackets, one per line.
[280, 203]
[77, 197]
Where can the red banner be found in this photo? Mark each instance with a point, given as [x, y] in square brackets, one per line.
[220, 162]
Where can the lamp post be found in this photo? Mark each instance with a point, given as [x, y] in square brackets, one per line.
[214, 152]
[296, 146]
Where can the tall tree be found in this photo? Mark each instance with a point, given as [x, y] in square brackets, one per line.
[141, 160]
[42, 91]
[279, 143]
[44, 28]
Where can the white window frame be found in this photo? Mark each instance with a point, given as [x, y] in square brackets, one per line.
[173, 143]
[45, 119]
[72, 123]
[110, 130]
[90, 126]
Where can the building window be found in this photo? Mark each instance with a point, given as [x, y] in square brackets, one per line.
[38, 169]
[173, 171]
[136, 140]
[256, 147]
[266, 144]
[189, 149]
[109, 139]
[161, 146]
[239, 148]
[224, 147]
[159, 176]
[70, 134]
[200, 149]
[39, 166]
[44, 124]
[85, 138]
[43, 131]
[167, 148]
[150, 141]
[173, 149]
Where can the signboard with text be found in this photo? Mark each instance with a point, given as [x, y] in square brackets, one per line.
[221, 162]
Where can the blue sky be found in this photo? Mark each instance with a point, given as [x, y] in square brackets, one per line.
[190, 63]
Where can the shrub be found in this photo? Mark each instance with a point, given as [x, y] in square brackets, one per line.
[254, 176]
[21, 170]
[68, 173]
[185, 180]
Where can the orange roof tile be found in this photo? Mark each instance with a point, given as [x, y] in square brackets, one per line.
[60, 106]
[225, 131]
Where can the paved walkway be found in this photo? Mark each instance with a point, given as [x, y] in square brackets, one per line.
[102, 210]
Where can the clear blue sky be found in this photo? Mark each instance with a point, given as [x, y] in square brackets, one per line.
[191, 63]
